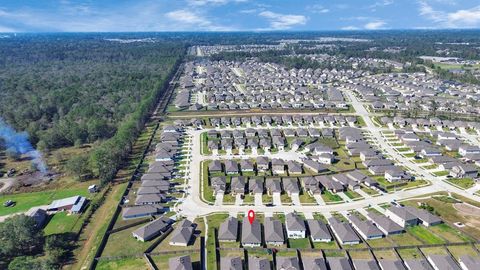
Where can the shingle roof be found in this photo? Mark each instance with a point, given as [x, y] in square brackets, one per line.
[251, 233]
[228, 229]
[273, 230]
[318, 229]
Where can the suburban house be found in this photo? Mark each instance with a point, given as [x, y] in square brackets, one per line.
[290, 186]
[155, 198]
[314, 264]
[231, 167]
[273, 232]
[288, 263]
[365, 264]
[340, 263]
[464, 171]
[255, 185]
[391, 264]
[258, 263]
[318, 231]
[468, 262]
[152, 229]
[386, 225]
[140, 211]
[273, 185]
[263, 164]
[183, 233]
[231, 263]
[442, 262]
[421, 264]
[180, 263]
[215, 166]
[237, 185]
[251, 233]
[426, 218]
[366, 229]
[295, 226]
[401, 216]
[228, 230]
[344, 232]
[219, 184]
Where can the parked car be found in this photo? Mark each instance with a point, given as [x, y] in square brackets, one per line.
[9, 203]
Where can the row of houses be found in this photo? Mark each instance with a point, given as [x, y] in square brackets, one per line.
[416, 91]
[285, 120]
[433, 123]
[252, 85]
[435, 154]
[372, 159]
[432, 261]
[155, 183]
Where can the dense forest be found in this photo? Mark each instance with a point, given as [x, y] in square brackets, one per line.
[69, 90]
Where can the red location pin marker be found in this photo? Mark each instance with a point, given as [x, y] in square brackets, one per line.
[251, 216]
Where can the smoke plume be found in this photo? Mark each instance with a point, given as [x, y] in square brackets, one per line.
[20, 144]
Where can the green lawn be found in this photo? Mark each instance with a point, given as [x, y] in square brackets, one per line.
[425, 235]
[441, 173]
[330, 197]
[117, 243]
[404, 239]
[124, 264]
[352, 194]
[25, 201]
[464, 183]
[307, 199]
[450, 234]
[62, 222]
[299, 243]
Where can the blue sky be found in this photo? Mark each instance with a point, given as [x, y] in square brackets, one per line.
[234, 15]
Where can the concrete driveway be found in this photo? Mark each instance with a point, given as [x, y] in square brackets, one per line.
[277, 200]
[258, 199]
[219, 199]
[296, 199]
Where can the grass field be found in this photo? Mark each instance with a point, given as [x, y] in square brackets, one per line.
[458, 251]
[124, 264]
[25, 201]
[161, 261]
[299, 243]
[409, 253]
[388, 254]
[330, 197]
[213, 222]
[464, 183]
[117, 243]
[425, 235]
[62, 222]
[404, 239]
[449, 234]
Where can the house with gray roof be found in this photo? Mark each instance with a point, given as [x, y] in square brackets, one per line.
[183, 234]
[426, 218]
[258, 263]
[295, 226]
[219, 184]
[150, 199]
[251, 233]
[386, 225]
[442, 262]
[318, 231]
[152, 229]
[329, 184]
[365, 228]
[290, 185]
[314, 263]
[180, 263]
[401, 216]
[39, 215]
[255, 185]
[246, 165]
[339, 263]
[288, 263]
[417, 264]
[228, 230]
[273, 185]
[468, 262]
[310, 185]
[231, 167]
[387, 264]
[365, 264]
[273, 232]
[343, 231]
[140, 211]
[231, 263]
[237, 185]
[215, 166]
[278, 166]
[314, 166]
[263, 164]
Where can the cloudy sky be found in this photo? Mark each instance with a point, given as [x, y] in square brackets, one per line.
[234, 15]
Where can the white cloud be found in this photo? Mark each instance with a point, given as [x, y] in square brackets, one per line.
[283, 21]
[463, 18]
[350, 27]
[191, 20]
[318, 9]
[382, 3]
[375, 25]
